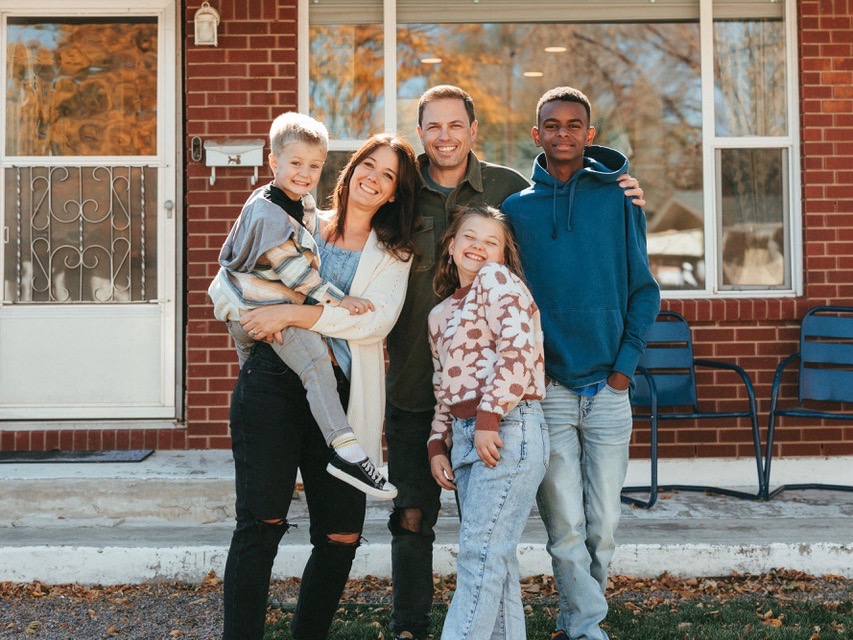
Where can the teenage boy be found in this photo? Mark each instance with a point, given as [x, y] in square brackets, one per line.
[583, 250]
[270, 257]
[451, 174]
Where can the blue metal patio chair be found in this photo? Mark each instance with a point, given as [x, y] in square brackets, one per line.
[825, 374]
[666, 378]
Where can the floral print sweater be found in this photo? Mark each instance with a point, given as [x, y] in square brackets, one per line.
[486, 342]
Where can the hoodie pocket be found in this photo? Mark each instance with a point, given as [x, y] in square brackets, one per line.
[585, 340]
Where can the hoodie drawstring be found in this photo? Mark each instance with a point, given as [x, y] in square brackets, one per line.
[572, 184]
[554, 210]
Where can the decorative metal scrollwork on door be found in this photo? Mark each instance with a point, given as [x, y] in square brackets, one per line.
[81, 234]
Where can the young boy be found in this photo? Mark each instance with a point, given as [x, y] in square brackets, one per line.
[583, 251]
[270, 257]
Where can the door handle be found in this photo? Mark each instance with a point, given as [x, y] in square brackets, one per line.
[169, 205]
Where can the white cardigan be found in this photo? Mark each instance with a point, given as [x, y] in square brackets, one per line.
[382, 279]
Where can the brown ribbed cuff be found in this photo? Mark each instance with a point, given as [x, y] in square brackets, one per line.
[487, 421]
[437, 447]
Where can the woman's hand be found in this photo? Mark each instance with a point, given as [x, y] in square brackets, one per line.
[442, 472]
[267, 323]
[487, 444]
[632, 188]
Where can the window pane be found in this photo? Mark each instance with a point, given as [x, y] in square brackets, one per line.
[749, 78]
[644, 84]
[753, 217]
[335, 163]
[81, 234]
[347, 79]
[81, 87]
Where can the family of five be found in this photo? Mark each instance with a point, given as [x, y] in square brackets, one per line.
[513, 315]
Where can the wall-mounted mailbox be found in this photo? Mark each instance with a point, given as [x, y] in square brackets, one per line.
[232, 152]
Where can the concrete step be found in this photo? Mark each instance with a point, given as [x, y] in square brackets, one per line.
[170, 518]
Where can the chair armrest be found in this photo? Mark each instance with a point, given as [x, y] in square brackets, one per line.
[777, 379]
[716, 364]
[653, 390]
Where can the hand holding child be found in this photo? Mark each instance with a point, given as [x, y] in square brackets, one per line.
[487, 444]
[356, 305]
[442, 472]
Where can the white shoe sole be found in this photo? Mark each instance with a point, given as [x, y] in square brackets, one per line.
[385, 494]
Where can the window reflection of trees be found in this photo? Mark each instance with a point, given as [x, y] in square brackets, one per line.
[749, 76]
[81, 89]
[644, 81]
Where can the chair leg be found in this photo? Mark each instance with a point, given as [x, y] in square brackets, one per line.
[768, 455]
[653, 460]
[756, 443]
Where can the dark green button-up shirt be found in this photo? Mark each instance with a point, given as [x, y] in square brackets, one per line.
[409, 380]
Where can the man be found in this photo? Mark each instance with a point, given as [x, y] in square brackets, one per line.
[451, 174]
[583, 251]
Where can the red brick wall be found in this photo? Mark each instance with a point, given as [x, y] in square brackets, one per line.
[232, 90]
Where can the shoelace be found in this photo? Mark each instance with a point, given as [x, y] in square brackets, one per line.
[371, 471]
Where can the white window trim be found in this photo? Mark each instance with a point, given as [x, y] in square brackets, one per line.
[508, 10]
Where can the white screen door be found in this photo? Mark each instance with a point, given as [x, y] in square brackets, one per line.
[87, 317]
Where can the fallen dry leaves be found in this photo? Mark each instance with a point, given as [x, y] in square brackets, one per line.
[780, 584]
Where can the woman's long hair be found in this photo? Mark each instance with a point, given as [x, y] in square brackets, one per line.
[395, 222]
[446, 279]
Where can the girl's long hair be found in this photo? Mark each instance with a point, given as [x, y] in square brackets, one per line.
[446, 279]
[395, 222]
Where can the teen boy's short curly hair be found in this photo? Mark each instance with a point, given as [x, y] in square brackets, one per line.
[297, 127]
[564, 94]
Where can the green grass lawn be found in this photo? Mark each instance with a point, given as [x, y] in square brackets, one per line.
[780, 606]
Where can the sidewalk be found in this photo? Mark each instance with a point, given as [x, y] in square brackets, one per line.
[170, 518]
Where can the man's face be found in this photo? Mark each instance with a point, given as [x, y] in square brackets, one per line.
[446, 133]
[563, 131]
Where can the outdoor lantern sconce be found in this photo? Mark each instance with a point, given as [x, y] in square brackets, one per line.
[206, 21]
[228, 152]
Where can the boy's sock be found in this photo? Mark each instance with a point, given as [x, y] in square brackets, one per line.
[347, 447]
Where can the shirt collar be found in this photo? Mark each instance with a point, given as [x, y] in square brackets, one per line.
[473, 176]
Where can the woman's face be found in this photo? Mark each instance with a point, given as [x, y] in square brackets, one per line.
[374, 179]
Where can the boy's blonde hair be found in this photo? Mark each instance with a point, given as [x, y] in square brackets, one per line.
[297, 127]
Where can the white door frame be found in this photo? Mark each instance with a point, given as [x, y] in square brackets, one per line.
[169, 219]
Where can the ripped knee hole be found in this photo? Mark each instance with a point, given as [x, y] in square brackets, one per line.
[343, 538]
[410, 519]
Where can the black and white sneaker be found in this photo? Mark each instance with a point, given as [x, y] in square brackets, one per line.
[363, 476]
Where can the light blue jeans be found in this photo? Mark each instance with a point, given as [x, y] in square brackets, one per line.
[495, 504]
[579, 499]
[306, 354]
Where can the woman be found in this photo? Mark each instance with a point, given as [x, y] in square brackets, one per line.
[366, 246]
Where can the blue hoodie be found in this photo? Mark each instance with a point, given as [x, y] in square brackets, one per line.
[583, 249]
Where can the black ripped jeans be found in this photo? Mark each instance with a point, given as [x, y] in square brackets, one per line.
[272, 435]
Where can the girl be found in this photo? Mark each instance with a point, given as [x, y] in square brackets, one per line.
[486, 342]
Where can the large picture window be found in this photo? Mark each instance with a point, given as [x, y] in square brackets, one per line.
[696, 94]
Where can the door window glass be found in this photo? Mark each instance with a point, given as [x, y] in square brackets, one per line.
[81, 87]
